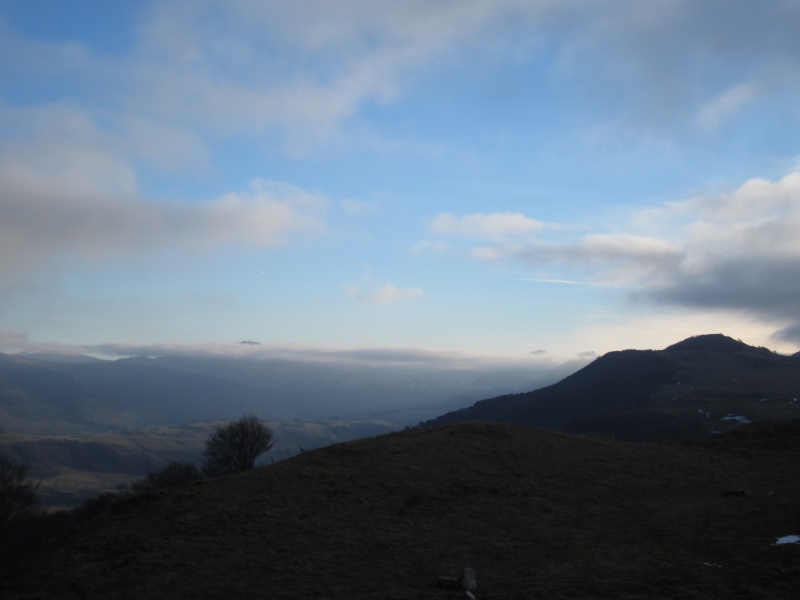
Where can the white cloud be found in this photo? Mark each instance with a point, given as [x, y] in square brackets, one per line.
[268, 214]
[358, 208]
[387, 294]
[233, 65]
[424, 246]
[490, 253]
[484, 225]
[726, 105]
[736, 251]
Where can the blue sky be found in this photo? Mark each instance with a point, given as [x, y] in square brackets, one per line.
[473, 178]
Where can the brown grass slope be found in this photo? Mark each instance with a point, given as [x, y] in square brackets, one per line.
[537, 515]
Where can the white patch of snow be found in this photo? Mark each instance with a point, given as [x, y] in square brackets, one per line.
[741, 418]
[787, 539]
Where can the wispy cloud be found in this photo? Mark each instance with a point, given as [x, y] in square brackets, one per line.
[387, 294]
[726, 105]
[484, 225]
[434, 246]
[217, 68]
[358, 208]
[564, 281]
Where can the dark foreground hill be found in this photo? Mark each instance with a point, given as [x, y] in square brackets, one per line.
[703, 385]
[537, 515]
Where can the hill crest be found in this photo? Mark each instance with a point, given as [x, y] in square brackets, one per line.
[535, 513]
[713, 342]
[700, 386]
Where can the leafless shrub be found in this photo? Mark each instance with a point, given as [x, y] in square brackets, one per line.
[19, 495]
[234, 447]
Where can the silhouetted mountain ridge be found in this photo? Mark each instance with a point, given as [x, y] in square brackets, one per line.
[713, 342]
[702, 385]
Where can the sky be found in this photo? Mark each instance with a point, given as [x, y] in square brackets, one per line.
[506, 179]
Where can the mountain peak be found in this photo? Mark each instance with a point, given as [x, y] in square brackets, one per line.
[713, 342]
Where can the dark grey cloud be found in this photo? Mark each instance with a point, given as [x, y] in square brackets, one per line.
[790, 333]
[768, 286]
[42, 222]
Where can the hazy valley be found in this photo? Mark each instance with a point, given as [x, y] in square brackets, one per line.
[87, 425]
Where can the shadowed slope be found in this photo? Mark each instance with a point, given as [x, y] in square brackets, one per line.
[690, 389]
[536, 514]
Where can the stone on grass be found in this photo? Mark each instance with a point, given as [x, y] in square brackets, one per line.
[467, 580]
[449, 583]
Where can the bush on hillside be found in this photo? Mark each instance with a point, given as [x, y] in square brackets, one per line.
[234, 447]
[175, 473]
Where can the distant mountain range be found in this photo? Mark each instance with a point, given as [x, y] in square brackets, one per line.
[702, 385]
[41, 394]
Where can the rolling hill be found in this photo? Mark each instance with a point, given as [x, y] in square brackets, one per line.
[702, 385]
[536, 514]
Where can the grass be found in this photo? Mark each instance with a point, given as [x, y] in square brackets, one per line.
[67, 465]
[537, 514]
[66, 482]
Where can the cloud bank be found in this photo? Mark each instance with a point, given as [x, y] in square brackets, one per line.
[388, 294]
[418, 358]
[494, 225]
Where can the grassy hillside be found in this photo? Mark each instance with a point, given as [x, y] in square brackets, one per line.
[537, 515]
[73, 468]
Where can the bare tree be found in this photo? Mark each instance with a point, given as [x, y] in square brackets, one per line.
[19, 496]
[234, 447]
